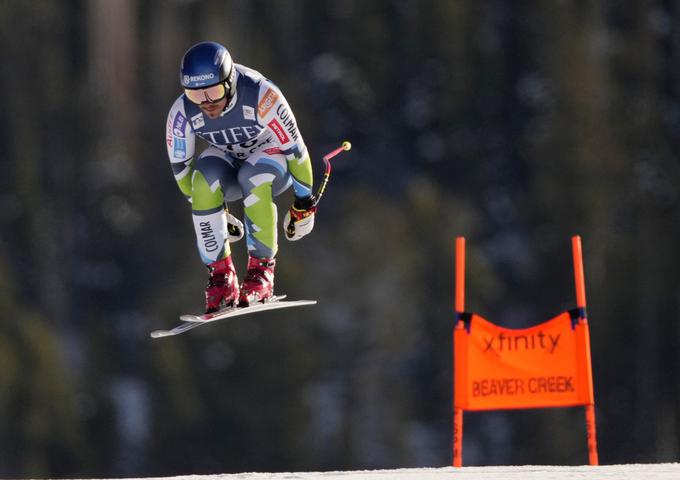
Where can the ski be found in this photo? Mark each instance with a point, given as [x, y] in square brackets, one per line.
[193, 321]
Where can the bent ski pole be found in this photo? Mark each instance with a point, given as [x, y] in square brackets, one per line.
[346, 146]
[290, 228]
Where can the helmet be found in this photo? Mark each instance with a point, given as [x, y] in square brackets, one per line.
[206, 64]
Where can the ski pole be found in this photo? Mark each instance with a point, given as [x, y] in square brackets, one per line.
[346, 146]
[290, 229]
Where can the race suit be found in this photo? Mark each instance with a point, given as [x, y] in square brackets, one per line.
[255, 152]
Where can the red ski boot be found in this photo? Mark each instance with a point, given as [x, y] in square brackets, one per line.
[222, 289]
[258, 285]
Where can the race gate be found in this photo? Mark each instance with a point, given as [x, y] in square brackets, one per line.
[547, 365]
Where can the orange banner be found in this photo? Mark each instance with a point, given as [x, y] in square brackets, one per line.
[547, 365]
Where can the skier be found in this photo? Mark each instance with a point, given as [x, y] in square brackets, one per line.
[255, 151]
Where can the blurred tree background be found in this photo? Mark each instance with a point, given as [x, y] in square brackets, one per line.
[513, 123]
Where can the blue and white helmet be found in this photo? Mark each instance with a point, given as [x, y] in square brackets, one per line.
[206, 64]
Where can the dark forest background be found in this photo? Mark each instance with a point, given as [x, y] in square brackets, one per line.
[516, 124]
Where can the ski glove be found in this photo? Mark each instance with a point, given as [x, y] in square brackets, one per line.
[299, 219]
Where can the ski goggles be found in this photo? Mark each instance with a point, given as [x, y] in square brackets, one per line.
[211, 94]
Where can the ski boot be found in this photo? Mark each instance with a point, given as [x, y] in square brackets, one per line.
[258, 285]
[222, 289]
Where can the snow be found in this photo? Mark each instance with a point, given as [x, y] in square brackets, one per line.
[658, 471]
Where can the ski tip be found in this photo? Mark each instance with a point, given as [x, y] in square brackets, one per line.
[157, 334]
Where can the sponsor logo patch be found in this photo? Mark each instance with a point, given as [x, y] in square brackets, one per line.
[180, 148]
[248, 112]
[208, 237]
[272, 151]
[198, 78]
[267, 102]
[179, 124]
[278, 131]
[234, 135]
[197, 121]
[513, 342]
[288, 121]
[168, 133]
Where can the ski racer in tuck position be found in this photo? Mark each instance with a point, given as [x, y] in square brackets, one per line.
[255, 152]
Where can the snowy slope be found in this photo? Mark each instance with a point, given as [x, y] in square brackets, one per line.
[659, 471]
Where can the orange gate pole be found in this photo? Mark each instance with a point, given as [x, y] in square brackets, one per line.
[579, 279]
[460, 308]
[460, 274]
